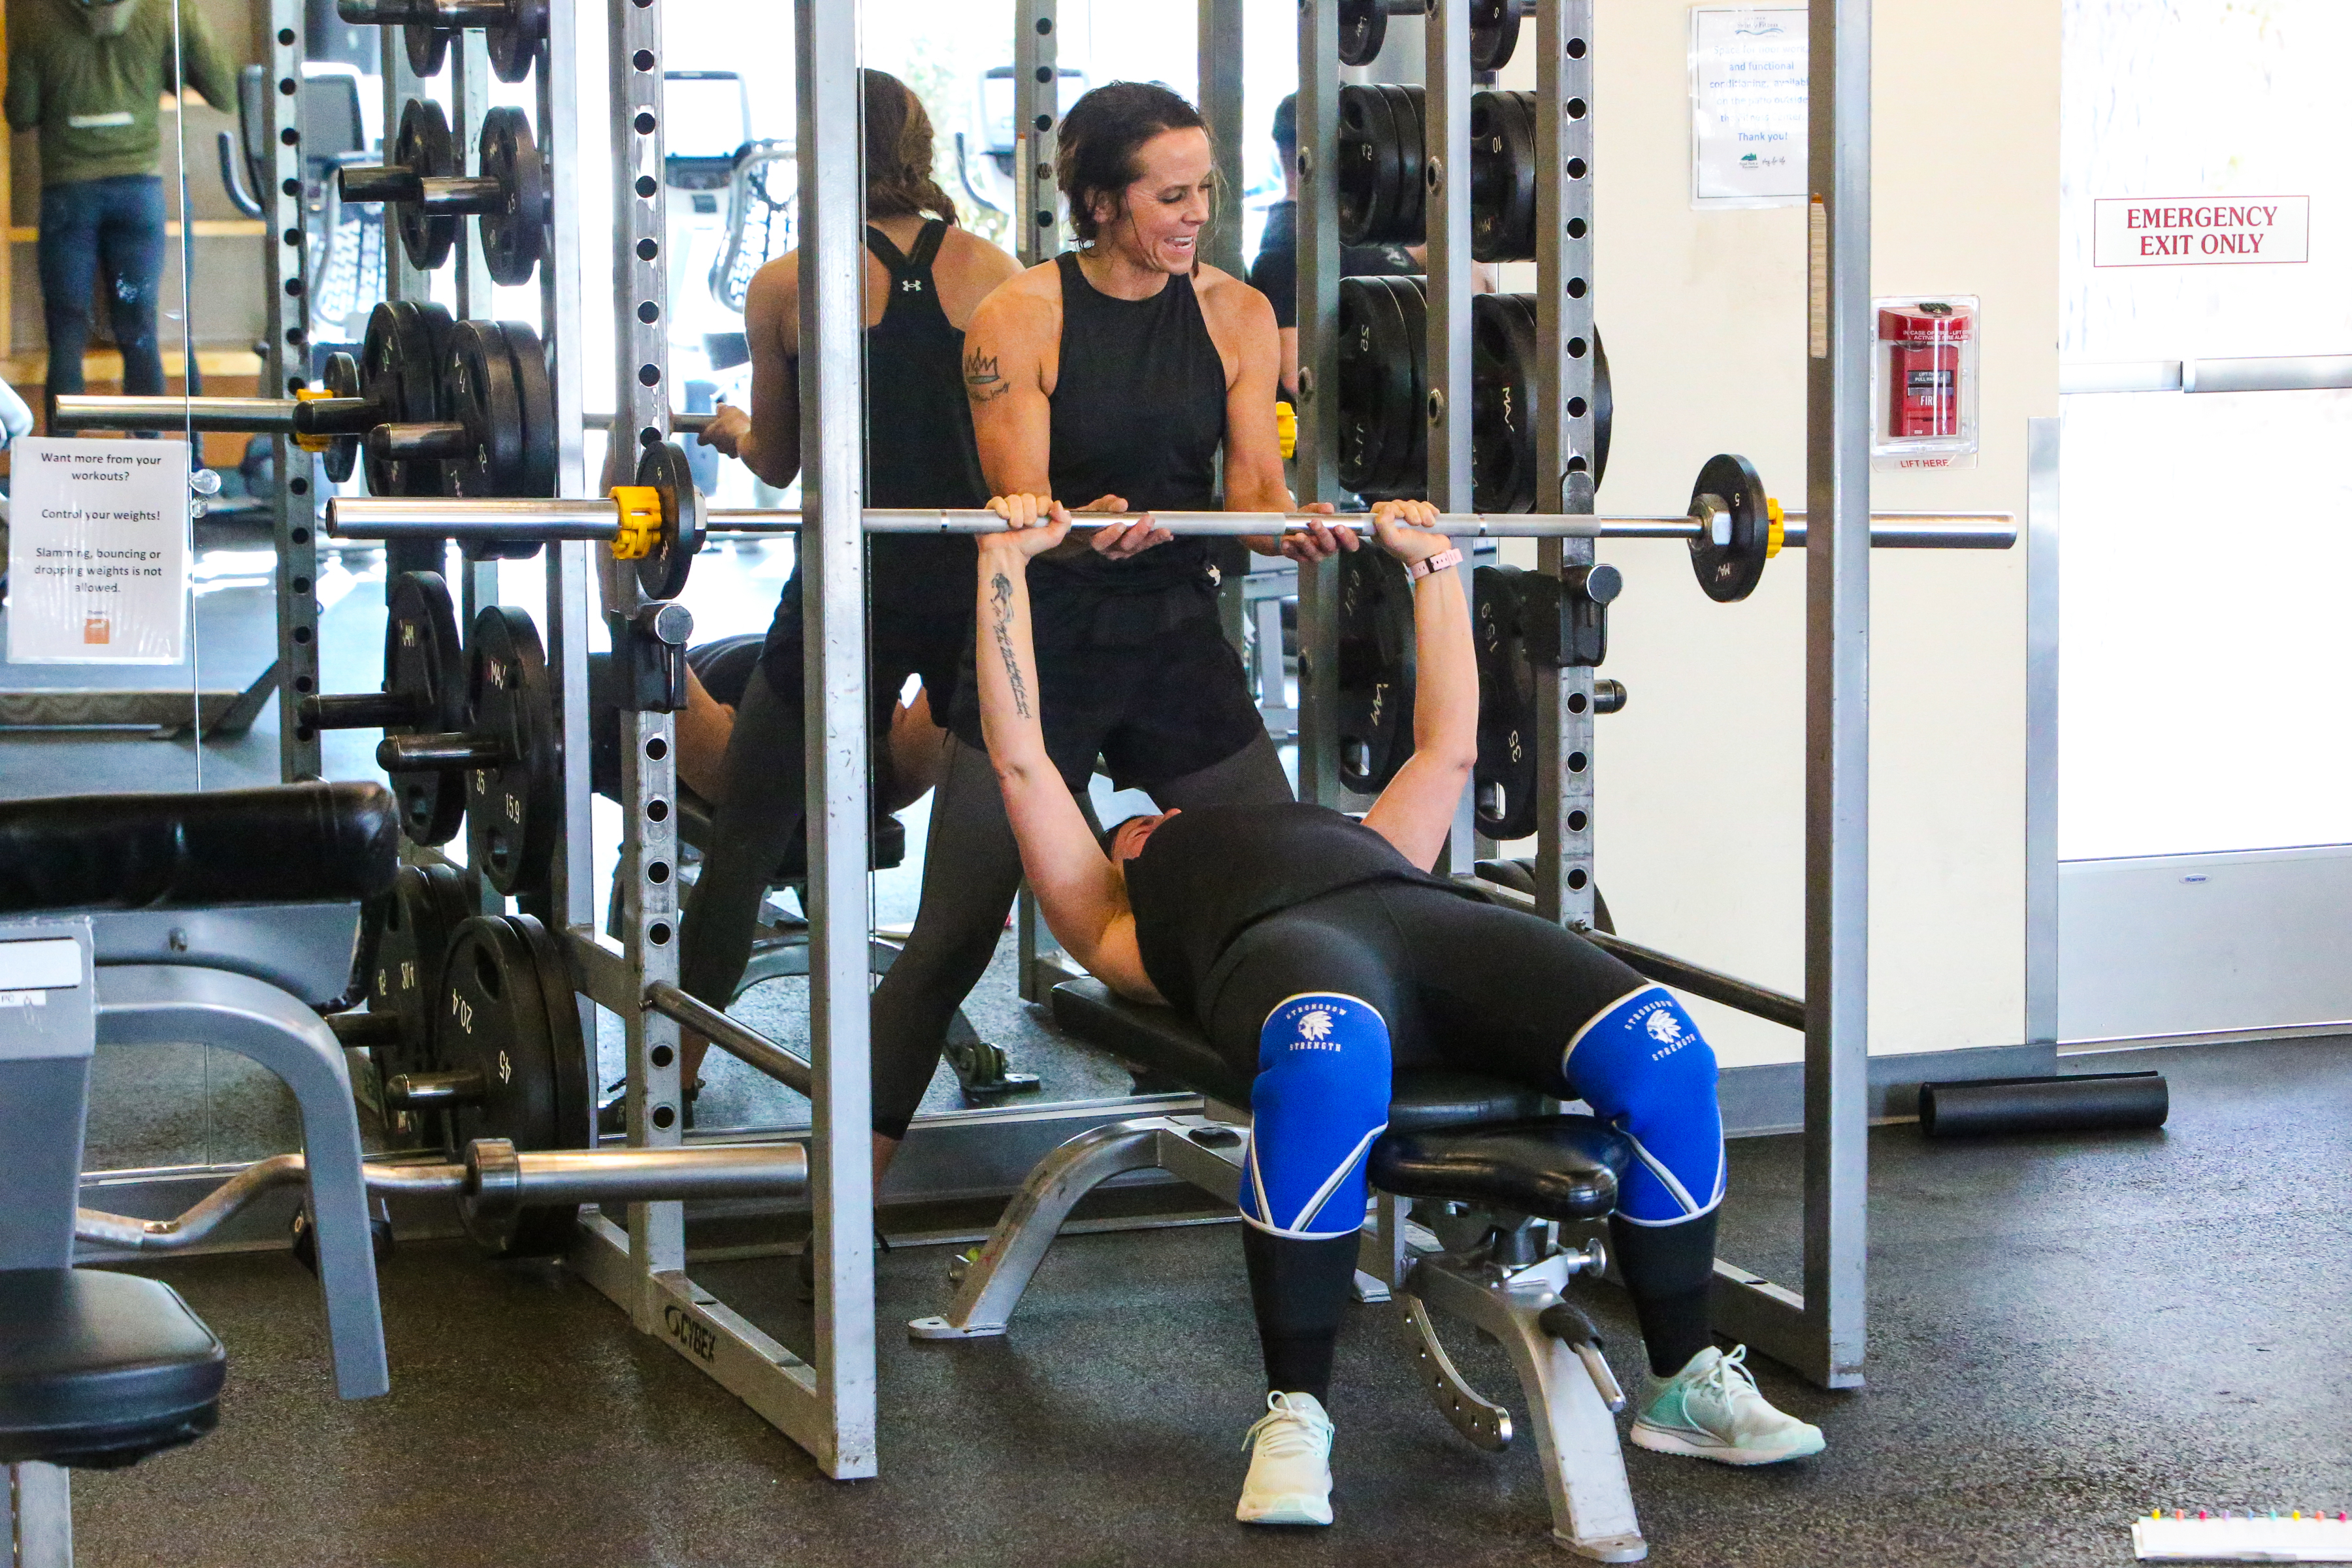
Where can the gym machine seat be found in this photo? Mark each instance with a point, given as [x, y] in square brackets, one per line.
[98, 1370]
[1472, 1179]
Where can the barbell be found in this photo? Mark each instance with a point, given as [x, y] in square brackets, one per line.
[514, 28]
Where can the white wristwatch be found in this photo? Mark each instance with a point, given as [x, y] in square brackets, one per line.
[1442, 560]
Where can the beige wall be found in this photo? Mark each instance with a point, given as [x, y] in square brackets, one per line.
[1700, 820]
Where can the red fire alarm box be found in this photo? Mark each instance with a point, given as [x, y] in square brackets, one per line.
[1926, 374]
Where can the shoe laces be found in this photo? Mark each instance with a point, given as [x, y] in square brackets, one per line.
[1728, 1379]
[1290, 1431]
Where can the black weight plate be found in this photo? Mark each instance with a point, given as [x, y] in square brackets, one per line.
[1409, 480]
[575, 1080]
[424, 148]
[1405, 224]
[418, 917]
[514, 44]
[398, 366]
[341, 379]
[497, 1017]
[662, 573]
[1376, 665]
[1503, 407]
[1367, 166]
[1604, 408]
[513, 234]
[424, 663]
[1502, 176]
[1504, 786]
[1494, 33]
[511, 807]
[1376, 397]
[1731, 571]
[427, 46]
[479, 392]
[537, 391]
[1363, 27]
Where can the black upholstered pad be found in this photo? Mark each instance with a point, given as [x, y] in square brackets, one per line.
[100, 1370]
[1555, 1167]
[1162, 1040]
[304, 843]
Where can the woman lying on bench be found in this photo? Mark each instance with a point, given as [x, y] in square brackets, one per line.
[1319, 955]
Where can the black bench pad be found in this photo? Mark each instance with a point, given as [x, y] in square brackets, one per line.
[1554, 1167]
[100, 1370]
[284, 844]
[1162, 1040]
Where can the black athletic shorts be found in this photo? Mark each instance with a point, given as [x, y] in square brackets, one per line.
[934, 647]
[1153, 708]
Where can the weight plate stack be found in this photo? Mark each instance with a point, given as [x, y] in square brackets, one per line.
[1380, 166]
[1504, 408]
[1363, 28]
[1412, 193]
[1503, 788]
[505, 1012]
[412, 926]
[479, 392]
[1375, 669]
[400, 359]
[514, 43]
[1729, 571]
[511, 808]
[514, 234]
[662, 572]
[424, 666]
[1384, 383]
[425, 149]
[1503, 176]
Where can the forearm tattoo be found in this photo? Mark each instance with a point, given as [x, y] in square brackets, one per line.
[999, 599]
[982, 382]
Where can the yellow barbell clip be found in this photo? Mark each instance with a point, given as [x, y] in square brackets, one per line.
[312, 443]
[1780, 529]
[641, 521]
[1286, 429]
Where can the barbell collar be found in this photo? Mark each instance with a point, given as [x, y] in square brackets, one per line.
[357, 710]
[256, 415]
[458, 749]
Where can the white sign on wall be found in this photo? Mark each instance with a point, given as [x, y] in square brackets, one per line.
[2200, 231]
[98, 551]
[1747, 67]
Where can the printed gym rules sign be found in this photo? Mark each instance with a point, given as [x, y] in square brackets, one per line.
[98, 552]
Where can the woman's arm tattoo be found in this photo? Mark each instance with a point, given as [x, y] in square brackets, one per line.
[1000, 598]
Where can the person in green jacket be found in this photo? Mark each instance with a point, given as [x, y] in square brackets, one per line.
[87, 73]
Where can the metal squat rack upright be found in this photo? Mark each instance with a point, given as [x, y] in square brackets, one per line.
[1820, 1331]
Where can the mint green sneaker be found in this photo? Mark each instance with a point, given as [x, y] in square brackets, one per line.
[1711, 1410]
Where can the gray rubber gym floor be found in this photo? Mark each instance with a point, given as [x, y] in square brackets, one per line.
[2064, 1331]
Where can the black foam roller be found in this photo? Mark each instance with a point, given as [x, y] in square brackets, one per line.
[2090, 1102]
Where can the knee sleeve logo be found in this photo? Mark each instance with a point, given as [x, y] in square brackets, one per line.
[1315, 1032]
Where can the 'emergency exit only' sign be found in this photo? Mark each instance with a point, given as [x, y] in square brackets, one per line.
[2200, 231]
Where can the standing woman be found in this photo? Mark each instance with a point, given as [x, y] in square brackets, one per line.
[924, 279]
[1113, 377]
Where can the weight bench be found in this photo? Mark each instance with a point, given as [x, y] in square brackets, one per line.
[1472, 1177]
[222, 918]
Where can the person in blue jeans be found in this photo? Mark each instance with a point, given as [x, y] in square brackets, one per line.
[89, 77]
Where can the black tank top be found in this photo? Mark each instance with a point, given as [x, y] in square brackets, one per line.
[1138, 410]
[919, 452]
[1207, 876]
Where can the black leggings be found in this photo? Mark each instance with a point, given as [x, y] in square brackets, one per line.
[1450, 982]
[971, 869]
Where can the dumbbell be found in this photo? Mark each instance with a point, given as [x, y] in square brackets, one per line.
[424, 693]
[426, 187]
[493, 430]
[505, 754]
[515, 30]
[1494, 28]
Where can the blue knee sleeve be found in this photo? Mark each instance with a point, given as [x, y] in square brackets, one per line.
[1321, 1095]
[1643, 1065]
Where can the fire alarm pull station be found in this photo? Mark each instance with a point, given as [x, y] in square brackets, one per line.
[1925, 372]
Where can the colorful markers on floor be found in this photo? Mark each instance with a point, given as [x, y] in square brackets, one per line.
[2230, 1536]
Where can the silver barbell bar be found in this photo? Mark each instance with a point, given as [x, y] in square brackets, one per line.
[435, 518]
[255, 416]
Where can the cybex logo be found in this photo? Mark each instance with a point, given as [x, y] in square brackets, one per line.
[695, 1336]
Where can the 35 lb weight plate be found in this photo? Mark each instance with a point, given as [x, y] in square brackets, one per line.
[1504, 785]
[514, 235]
[1729, 554]
[512, 806]
[424, 666]
[500, 1016]
[1375, 650]
[424, 148]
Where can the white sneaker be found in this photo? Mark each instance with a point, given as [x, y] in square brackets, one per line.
[1290, 1463]
[1711, 1410]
